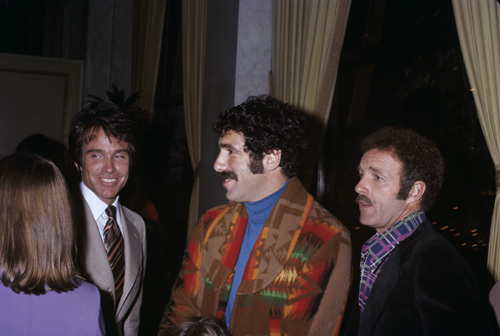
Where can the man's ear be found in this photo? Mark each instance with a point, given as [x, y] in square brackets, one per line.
[272, 160]
[417, 191]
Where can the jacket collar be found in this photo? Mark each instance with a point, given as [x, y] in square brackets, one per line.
[272, 248]
[389, 276]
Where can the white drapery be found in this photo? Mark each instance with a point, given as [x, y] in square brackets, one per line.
[479, 33]
[307, 40]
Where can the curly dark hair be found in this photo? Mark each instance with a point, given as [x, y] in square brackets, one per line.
[420, 159]
[106, 116]
[267, 124]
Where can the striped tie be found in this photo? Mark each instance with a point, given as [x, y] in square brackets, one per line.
[113, 242]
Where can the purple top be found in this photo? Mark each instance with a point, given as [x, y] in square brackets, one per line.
[77, 312]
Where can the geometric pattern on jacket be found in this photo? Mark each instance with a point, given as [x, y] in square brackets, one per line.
[296, 280]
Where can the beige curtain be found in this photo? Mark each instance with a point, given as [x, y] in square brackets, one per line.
[307, 40]
[478, 30]
[149, 16]
[194, 20]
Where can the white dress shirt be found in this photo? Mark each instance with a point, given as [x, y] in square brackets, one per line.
[98, 208]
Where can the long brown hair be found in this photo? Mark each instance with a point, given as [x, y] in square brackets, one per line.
[36, 226]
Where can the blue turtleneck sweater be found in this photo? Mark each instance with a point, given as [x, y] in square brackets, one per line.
[257, 215]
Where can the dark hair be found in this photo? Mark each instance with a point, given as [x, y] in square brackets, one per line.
[420, 159]
[49, 149]
[36, 226]
[43, 146]
[201, 326]
[267, 124]
[107, 116]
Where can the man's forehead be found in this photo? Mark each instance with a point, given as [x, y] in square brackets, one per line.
[382, 152]
[231, 136]
[95, 132]
[376, 159]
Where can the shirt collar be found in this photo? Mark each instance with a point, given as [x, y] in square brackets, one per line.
[258, 211]
[379, 246]
[96, 205]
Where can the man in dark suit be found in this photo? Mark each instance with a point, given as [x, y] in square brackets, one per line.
[111, 238]
[413, 281]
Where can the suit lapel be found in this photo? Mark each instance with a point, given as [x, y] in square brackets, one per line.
[277, 239]
[133, 254]
[96, 260]
[389, 277]
[220, 250]
[382, 288]
[273, 247]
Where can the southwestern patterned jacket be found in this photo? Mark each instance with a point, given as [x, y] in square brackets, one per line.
[297, 278]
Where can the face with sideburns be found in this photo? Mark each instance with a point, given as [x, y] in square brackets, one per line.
[378, 188]
[234, 165]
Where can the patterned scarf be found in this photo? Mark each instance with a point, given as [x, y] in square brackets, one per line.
[376, 250]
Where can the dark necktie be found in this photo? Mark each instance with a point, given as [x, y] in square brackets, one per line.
[113, 242]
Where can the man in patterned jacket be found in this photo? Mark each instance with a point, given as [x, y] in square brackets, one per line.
[273, 261]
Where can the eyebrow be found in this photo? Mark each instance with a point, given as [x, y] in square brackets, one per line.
[100, 151]
[228, 146]
[371, 168]
[376, 170]
[93, 151]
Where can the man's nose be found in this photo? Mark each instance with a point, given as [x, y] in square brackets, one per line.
[109, 165]
[220, 163]
[360, 188]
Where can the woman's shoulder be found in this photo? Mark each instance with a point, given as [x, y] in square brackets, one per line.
[86, 288]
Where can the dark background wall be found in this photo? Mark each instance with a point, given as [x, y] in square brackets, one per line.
[220, 72]
[401, 65]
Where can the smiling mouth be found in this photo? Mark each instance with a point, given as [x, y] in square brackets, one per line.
[108, 180]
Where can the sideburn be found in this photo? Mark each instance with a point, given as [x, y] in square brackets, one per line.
[256, 166]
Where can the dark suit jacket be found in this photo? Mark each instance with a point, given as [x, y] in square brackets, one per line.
[425, 288]
[94, 265]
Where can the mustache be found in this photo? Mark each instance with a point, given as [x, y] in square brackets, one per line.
[364, 199]
[227, 175]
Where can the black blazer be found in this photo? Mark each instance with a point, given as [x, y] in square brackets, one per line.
[425, 288]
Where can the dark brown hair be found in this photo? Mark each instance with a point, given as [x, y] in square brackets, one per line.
[86, 124]
[36, 227]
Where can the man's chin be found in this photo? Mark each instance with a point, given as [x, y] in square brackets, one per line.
[108, 198]
[364, 221]
[232, 198]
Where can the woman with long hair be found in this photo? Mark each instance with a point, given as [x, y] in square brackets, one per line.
[41, 292]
